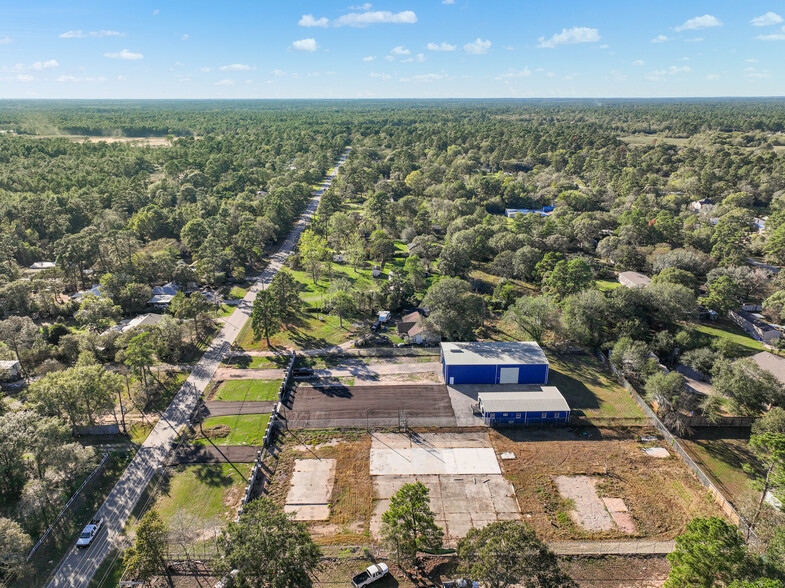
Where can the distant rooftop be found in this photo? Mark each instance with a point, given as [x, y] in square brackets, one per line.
[493, 353]
[773, 364]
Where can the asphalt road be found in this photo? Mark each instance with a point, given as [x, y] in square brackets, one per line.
[78, 567]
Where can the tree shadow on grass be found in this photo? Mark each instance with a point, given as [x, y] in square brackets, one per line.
[575, 392]
[214, 476]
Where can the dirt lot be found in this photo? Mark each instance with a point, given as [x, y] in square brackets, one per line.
[660, 494]
[377, 406]
[352, 493]
[617, 572]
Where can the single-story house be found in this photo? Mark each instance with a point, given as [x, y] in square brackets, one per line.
[494, 362]
[633, 279]
[760, 223]
[162, 295]
[143, 320]
[10, 370]
[411, 329]
[95, 291]
[752, 307]
[755, 326]
[534, 406]
[698, 205]
[339, 258]
[42, 265]
[774, 364]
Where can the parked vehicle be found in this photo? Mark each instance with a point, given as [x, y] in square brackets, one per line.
[89, 533]
[370, 575]
[376, 326]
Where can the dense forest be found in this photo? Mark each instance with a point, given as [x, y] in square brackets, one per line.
[688, 192]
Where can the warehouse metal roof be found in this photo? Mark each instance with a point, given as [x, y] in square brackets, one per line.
[493, 353]
[532, 399]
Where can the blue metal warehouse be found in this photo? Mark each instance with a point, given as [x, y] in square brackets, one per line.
[494, 362]
[535, 406]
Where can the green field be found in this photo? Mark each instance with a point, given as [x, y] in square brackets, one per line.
[727, 330]
[590, 390]
[306, 331]
[249, 390]
[213, 484]
[607, 285]
[245, 429]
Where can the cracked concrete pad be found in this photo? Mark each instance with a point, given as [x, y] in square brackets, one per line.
[311, 486]
[589, 510]
[659, 452]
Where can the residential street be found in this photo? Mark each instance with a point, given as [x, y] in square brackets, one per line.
[79, 566]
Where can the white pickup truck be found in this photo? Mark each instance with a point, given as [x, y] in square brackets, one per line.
[370, 575]
[89, 533]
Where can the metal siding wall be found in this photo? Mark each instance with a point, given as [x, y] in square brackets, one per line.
[471, 374]
[532, 374]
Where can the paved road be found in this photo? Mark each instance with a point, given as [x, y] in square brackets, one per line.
[79, 566]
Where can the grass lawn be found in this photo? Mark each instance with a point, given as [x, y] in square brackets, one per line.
[589, 389]
[218, 487]
[224, 310]
[305, 332]
[138, 432]
[606, 285]
[255, 362]
[250, 390]
[245, 429]
[237, 293]
[727, 330]
[721, 453]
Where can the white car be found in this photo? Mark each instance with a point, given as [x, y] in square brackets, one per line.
[89, 533]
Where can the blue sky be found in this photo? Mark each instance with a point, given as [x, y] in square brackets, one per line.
[397, 48]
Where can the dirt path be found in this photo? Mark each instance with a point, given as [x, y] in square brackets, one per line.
[612, 547]
[188, 454]
[216, 408]
[228, 373]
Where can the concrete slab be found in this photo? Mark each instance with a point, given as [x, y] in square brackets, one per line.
[508, 455]
[615, 504]
[419, 461]
[589, 510]
[624, 521]
[311, 486]
[658, 452]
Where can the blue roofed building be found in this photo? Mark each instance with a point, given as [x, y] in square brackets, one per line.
[494, 362]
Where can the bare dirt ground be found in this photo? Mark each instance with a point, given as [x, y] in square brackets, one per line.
[617, 572]
[661, 495]
[352, 491]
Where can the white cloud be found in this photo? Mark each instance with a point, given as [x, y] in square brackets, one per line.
[638, 62]
[6, 41]
[236, 67]
[772, 37]
[448, 1]
[477, 47]
[185, 37]
[307, 45]
[706, 21]
[205, 69]
[366, 6]
[278, 73]
[694, 40]
[363, 19]
[522, 73]
[389, 58]
[90, 34]
[571, 37]
[381, 76]
[400, 50]
[751, 72]
[419, 58]
[121, 78]
[440, 47]
[24, 78]
[713, 77]
[155, 12]
[431, 77]
[768, 19]
[550, 74]
[369, 58]
[662, 74]
[39, 65]
[308, 20]
[660, 39]
[124, 54]
[225, 83]
[73, 79]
